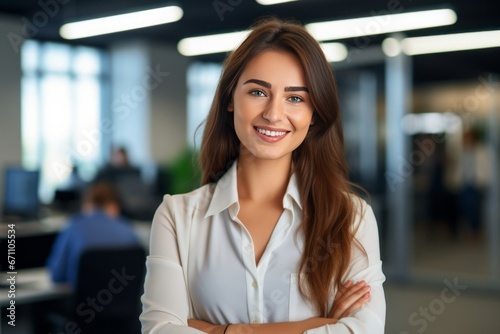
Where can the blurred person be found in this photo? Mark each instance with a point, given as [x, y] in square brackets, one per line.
[475, 175]
[442, 202]
[276, 240]
[99, 224]
[120, 158]
[135, 193]
[118, 165]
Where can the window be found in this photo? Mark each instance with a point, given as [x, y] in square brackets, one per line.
[62, 93]
[202, 83]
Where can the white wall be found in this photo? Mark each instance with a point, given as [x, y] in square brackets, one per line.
[10, 97]
[168, 116]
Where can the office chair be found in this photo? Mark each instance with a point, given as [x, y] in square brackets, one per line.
[106, 298]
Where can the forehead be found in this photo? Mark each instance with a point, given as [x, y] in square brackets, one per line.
[276, 67]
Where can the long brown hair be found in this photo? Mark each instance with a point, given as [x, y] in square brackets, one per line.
[319, 162]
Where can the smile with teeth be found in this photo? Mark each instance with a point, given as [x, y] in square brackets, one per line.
[271, 133]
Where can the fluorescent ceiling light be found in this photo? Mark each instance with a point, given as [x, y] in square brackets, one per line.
[194, 46]
[334, 52]
[451, 42]
[272, 2]
[375, 25]
[116, 23]
[201, 45]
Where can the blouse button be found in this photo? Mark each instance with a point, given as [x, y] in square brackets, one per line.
[248, 248]
[254, 284]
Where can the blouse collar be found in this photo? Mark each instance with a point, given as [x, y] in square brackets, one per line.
[226, 193]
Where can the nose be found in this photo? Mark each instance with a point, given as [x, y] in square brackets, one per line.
[274, 111]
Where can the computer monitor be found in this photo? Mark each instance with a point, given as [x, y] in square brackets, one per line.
[20, 198]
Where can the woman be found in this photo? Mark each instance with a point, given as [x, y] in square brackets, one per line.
[275, 241]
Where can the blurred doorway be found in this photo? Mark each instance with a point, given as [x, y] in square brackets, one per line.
[455, 183]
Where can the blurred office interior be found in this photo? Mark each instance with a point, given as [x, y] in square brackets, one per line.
[421, 133]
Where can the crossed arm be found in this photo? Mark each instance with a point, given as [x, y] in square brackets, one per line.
[349, 298]
[166, 307]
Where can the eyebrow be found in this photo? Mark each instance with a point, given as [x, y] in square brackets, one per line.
[296, 89]
[269, 86]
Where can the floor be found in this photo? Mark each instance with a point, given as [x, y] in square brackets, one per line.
[412, 309]
[440, 259]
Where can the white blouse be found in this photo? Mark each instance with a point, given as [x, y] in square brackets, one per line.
[202, 265]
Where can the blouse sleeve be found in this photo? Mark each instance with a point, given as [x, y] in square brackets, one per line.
[368, 267]
[165, 300]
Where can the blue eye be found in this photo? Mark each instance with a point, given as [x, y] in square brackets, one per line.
[295, 99]
[257, 93]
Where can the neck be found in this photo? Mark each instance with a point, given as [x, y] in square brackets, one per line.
[111, 210]
[263, 180]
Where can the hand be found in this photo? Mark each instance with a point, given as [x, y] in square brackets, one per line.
[349, 298]
[206, 326]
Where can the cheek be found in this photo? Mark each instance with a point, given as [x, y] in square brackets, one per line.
[241, 127]
[245, 113]
[302, 121]
[239, 118]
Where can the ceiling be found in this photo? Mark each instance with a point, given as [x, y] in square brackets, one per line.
[201, 17]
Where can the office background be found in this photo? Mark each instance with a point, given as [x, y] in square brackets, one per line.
[419, 129]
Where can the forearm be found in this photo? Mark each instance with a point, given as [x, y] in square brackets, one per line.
[282, 327]
[297, 327]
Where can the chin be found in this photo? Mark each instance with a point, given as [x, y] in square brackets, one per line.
[270, 155]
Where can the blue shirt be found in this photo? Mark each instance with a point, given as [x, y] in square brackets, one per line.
[86, 231]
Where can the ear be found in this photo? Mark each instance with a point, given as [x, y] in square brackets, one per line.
[230, 106]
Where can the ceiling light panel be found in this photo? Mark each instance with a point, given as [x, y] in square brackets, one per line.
[194, 46]
[272, 2]
[375, 25]
[451, 42]
[123, 22]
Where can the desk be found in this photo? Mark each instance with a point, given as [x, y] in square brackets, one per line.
[32, 285]
[54, 224]
[33, 241]
[35, 228]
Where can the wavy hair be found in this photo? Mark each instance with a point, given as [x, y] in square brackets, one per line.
[319, 163]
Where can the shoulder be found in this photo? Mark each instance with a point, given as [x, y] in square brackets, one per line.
[364, 216]
[179, 215]
[71, 231]
[75, 222]
[188, 205]
[197, 199]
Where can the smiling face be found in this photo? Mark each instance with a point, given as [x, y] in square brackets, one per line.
[272, 107]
